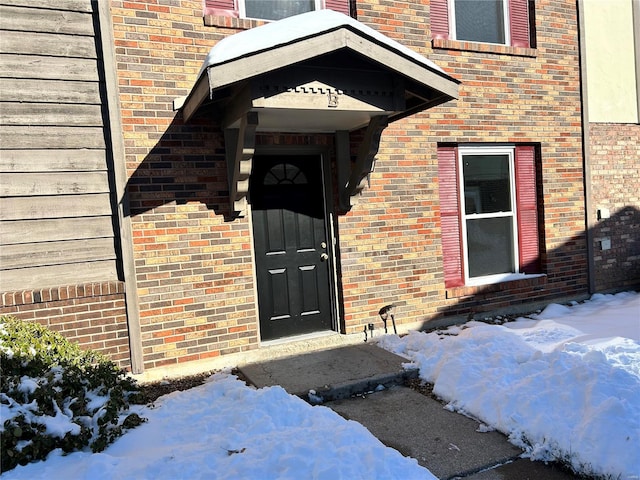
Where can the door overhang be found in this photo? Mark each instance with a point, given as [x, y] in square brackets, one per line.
[319, 72]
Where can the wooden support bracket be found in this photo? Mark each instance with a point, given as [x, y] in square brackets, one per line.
[240, 148]
[365, 159]
[343, 163]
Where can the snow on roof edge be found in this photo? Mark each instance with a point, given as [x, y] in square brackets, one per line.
[297, 28]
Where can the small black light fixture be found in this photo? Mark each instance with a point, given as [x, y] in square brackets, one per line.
[370, 327]
[386, 312]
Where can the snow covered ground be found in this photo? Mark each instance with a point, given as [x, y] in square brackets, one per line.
[226, 430]
[563, 385]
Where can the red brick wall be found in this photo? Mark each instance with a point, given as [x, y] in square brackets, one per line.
[614, 160]
[91, 314]
[390, 243]
[194, 266]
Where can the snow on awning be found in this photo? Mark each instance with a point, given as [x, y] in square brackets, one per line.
[297, 28]
[322, 34]
[319, 72]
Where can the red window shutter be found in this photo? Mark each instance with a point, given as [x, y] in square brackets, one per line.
[519, 23]
[439, 18]
[220, 7]
[527, 209]
[341, 6]
[450, 217]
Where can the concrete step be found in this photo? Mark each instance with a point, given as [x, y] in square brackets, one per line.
[334, 373]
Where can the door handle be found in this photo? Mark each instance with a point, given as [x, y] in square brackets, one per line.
[324, 257]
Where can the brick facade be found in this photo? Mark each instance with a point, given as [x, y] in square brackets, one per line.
[614, 158]
[91, 314]
[509, 95]
[194, 266]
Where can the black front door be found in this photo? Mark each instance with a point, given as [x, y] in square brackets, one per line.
[292, 262]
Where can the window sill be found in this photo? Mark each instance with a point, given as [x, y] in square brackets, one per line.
[445, 44]
[526, 283]
[228, 21]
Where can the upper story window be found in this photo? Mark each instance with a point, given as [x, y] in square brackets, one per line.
[271, 9]
[501, 22]
[276, 9]
[483, 21]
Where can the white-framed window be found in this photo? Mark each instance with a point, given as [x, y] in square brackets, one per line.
[276, 9]
[488, 213]
[485, 21]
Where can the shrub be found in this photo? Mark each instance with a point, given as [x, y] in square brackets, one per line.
[53, 395]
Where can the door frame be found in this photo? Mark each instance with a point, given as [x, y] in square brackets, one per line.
[324, 154]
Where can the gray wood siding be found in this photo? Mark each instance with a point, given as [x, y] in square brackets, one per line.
[87, 271]
[52, 114]
[54, 229]
[28, 90]
[52, 161]
[56, 200]
[31, 184]
[48, 68]
[25, 137]
[61, 206]
[47, 44]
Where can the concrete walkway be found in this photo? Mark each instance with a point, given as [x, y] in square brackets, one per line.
[448, 444]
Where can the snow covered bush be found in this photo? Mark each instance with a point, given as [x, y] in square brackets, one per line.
[53, 395]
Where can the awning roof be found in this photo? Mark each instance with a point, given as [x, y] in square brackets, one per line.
[296, 29]
[321, 41]
[319, 72]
